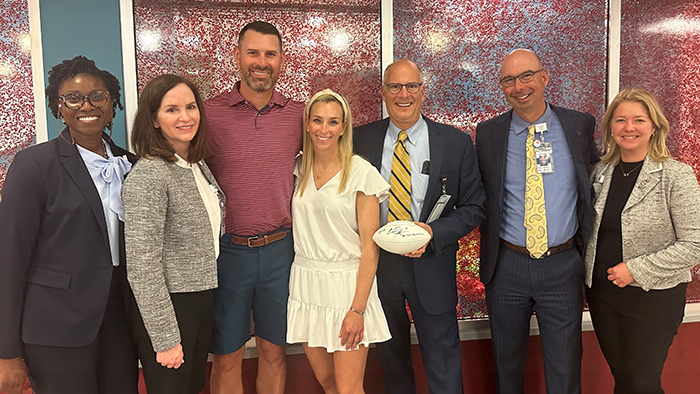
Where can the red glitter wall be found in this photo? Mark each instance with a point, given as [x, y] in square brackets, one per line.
[17, 125]
[328, 44]
[660, 51]
[460, 46]
[336, 43]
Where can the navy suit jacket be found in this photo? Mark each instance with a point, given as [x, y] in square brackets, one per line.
[55, 263]
[452, 156]
[491, 149]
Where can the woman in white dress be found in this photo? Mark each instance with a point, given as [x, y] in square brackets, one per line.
[333, 307]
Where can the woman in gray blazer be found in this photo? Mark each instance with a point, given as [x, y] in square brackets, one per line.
[174, 217]
[645, 239]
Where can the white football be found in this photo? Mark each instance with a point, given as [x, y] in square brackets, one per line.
[401, 237]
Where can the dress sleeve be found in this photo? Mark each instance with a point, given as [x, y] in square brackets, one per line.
[368, 180]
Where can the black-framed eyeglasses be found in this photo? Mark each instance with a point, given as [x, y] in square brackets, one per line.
[411, 87]
[524, 77]
[96, 98]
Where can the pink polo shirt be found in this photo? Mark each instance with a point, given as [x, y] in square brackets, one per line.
[253, 159]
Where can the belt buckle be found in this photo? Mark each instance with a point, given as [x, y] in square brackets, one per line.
[255, 238]
[545, 254]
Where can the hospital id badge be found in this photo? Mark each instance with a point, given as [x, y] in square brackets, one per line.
[543, 159]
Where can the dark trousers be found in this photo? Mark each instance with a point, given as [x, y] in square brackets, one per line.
[195, 317]
[438, 335]
[552, 287]
[108, 365]
[635, 328]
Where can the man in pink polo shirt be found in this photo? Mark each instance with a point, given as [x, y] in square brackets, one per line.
[256, 133]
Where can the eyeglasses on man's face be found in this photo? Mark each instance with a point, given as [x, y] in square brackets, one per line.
[411, 87]
[524, 77]
[96, 98]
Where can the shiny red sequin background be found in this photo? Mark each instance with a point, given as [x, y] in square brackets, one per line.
[460, 46]
[329, 44]
[660, 51]
[17, 124]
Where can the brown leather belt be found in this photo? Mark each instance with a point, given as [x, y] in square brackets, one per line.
[551, 251]
[258, 240]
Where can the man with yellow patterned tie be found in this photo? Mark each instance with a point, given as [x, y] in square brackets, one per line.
[535, 162]
[423, 161]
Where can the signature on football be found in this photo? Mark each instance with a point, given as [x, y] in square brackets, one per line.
[400, 231]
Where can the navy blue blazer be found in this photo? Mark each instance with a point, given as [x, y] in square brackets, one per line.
[491, 149]
[452, 156]
[55, 264]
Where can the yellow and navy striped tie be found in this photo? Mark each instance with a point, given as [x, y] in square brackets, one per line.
[400, 198]
[535, 215]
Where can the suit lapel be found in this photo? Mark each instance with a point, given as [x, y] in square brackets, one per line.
[601, 189]
[572, 134]
[649, 176]
[376, 145]
[437, 144]
[498, 140]
[117, 150]
[73, 163]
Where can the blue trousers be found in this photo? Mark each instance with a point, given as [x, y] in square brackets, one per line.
[552, 288]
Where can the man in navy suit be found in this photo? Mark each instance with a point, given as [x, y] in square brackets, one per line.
[517, 281]
[442, 162]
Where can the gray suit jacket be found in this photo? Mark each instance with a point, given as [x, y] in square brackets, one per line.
[660, 223]
[169, 243]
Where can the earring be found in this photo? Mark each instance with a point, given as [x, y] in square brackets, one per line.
[109, 126]
[60, 115]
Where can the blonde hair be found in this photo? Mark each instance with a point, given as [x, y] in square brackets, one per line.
[344, 141]
[657, 144]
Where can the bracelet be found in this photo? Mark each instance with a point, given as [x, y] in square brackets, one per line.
[358, 312]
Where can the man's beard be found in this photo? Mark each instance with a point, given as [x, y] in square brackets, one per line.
[258, 85]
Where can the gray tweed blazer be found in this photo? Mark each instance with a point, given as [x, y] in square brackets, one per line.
[660, 223]
[169, 244]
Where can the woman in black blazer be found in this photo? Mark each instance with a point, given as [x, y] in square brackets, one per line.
[62, 276]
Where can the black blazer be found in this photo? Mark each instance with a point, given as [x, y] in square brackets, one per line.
[452, 156]
[491, 146]
[55, 264]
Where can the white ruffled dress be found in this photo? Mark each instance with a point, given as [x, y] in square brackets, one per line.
[324, 273]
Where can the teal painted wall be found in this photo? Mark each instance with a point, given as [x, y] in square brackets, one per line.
[83, 27]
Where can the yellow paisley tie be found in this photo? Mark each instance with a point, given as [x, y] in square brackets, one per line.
[535, 215]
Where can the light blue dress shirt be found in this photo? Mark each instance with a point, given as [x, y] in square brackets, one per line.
[108, 175]
[560, 190]
[418, 147]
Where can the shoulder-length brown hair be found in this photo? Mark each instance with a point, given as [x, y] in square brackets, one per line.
[657, 144]
[149, 140]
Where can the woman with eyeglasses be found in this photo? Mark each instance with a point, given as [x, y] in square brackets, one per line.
[645, 240]
[62, 272]
[174, 218]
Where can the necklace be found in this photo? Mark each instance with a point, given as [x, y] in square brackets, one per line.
[104, 150]
[321, 171]
[626, 174]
